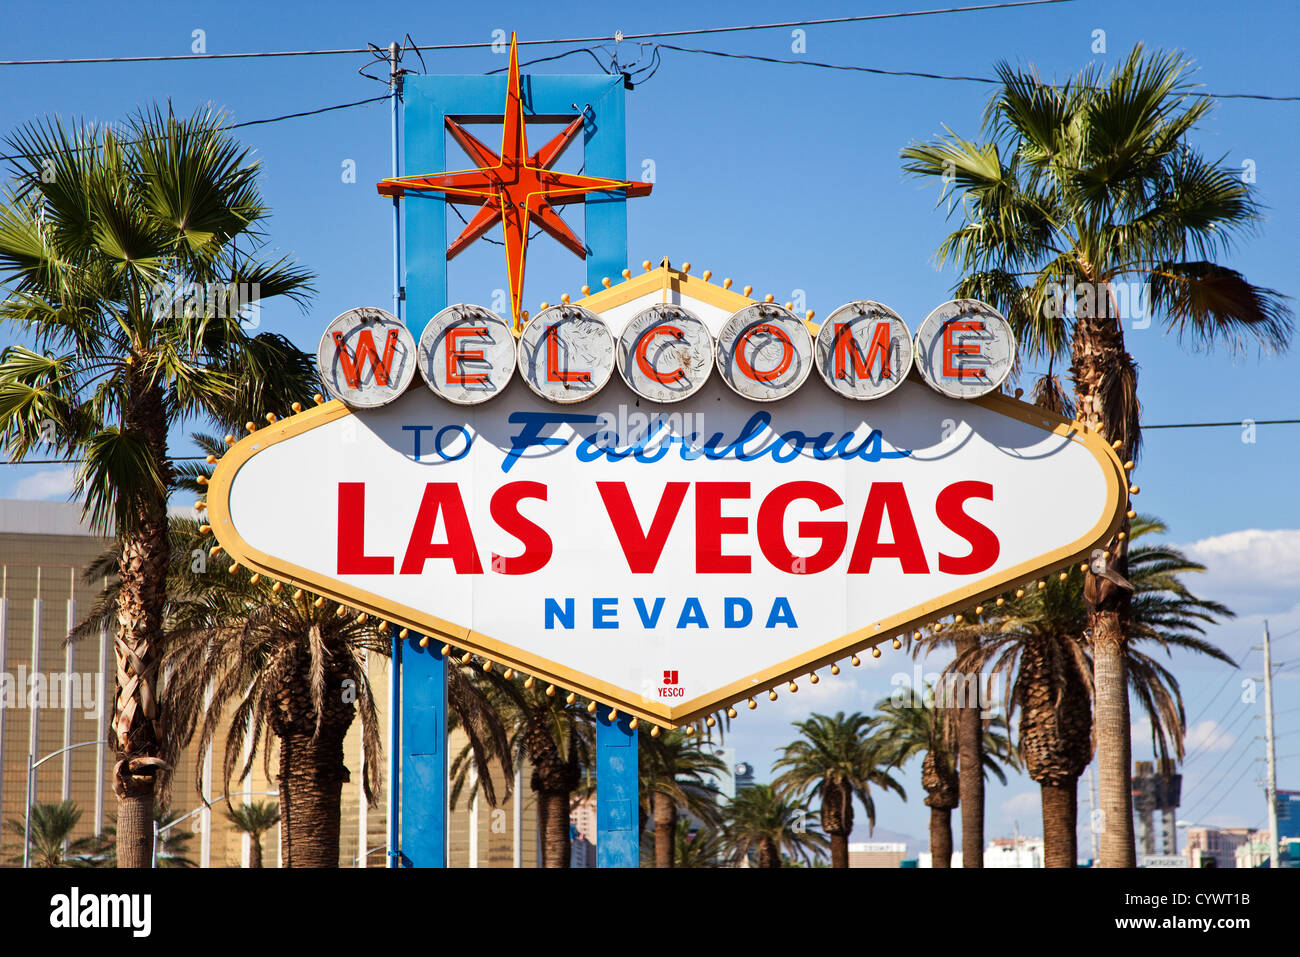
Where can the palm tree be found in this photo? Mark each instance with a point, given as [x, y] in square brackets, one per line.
[912, 723]
[170, 844]
[694, 845]
[1080, 189]
[761, 821]
[676, 774]
[51, 841]
[836, 759]
[119, 253]
[1037, 642]
[556, 733]
[254, 819]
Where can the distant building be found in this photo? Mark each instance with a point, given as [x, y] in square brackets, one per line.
[744, 776]
[1216, 847]
[1000, 852]
[877, 854]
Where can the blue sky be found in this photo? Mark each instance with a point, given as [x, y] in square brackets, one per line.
[786, 178]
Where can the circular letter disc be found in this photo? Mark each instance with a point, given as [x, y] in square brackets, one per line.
[764, 352]
[566, 354]
[864, 350]
[467, 354]
[965, 349]
[665, 354]
[366, 357]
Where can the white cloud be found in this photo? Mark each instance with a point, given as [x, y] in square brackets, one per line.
[44, 484]
[1208, 736]
[1251, 570]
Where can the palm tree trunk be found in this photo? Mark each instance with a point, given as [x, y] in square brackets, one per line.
[142, 569]
[555, 828]
[1114, 746]
[312, 774]
[1060, 823]
[941, 837]
[769, 855]
[970, 765]
[255, 851]
[665, 812]
[839, 850]
[1105, 378]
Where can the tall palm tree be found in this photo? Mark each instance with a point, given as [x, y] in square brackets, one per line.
[118, 251]
[761, 821]
[254, 819]
[1037, 642]
[676, 774]
[836, 759]
[912, 723]
[1081, 189]
[51, 841]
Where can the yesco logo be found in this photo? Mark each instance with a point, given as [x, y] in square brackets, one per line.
[75, 910]
[567, 353]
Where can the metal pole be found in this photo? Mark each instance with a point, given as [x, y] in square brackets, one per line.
[101, 728]
[1270, 751]
[33, 720]
[4, 645]
[68, 665]
[517, 858]
[395, 664]
[27, 815]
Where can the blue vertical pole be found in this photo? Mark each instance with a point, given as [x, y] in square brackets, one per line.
[395, 662]
[616, 797]
[424, 757]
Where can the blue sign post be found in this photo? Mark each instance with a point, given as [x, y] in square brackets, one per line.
[428, 101]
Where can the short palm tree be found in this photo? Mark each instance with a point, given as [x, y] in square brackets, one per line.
[1038, 643]
[761, 822]
[694, 845]
[1082, 189]
[676, 774]
[911, 723]
[554, 731]
[51, 843]
[837, 759]
[118, 254]
[254, 819]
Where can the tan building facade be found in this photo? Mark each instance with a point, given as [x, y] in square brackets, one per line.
[65, 691]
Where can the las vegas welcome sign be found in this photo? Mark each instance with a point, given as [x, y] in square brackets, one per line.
[666, 496]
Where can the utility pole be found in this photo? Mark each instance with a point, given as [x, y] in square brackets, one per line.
[395, 661]
[1270, 786]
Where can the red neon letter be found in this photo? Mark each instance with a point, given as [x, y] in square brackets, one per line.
[888, 498]
[951, 349]
[353, 559]
[442, 498]
[711, 525]
[787, 352]
[365, 350]
[455, 354]
[984, 545]
[771, 528]
[553, 373]
[643, 361]
[847, 347]
[641, 549]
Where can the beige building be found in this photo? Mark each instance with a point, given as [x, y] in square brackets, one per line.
[51, 694]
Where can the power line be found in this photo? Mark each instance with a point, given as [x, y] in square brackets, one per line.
[1212, 425]
[1231, 787]
[233, 126]
[952, 77]
[496, 44]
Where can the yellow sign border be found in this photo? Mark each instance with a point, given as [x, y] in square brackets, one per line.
[503, 654]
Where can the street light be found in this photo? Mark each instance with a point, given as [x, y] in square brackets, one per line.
[27, 816]
[157, 831]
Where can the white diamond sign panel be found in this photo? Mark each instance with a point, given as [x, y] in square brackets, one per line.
[727, 544]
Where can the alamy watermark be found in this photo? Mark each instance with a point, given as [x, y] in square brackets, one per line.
[946, 690]
[75, 690]
[209, 300]
[1126, 301]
